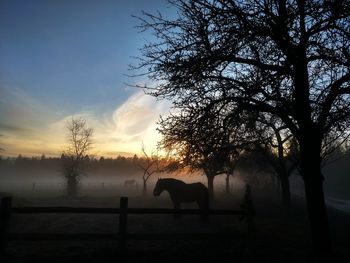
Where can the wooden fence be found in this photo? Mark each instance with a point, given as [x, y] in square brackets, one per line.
[246, 213]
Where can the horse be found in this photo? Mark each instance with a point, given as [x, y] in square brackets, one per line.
[129, 182]
[181, 192]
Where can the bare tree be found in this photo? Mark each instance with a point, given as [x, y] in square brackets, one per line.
[276, 138]
[230, 167]
[288, 58]
[149, 164]
[79, 143]
[204, 143]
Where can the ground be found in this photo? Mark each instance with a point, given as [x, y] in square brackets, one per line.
[282, 234]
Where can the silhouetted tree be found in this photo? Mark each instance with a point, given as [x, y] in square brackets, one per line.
[277, 140]
[229, 170]
[204, 143]
[149, 164]
[79, 143]
[254, 167]
[289, 58]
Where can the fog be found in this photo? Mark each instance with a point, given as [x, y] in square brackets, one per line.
[96, 185]
[48, 182]
[33, 179]
[40, 182]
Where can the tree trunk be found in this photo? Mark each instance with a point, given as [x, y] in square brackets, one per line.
[285, 190]
[211, 186]
[144, 190]
[282, 170]
[72, 186]
[227, 183]
[316, 207]
[275, 183]
[278, 185]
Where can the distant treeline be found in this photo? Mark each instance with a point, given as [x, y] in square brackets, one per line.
[107, 166]
[253, 168]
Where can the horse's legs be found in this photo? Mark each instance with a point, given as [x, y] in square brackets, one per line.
[177, 207]
[204, 206]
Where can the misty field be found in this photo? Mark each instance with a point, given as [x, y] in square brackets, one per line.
[281, 233]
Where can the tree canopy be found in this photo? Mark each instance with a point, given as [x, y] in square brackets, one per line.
[289, 59]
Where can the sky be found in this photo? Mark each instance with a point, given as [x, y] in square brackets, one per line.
[60, 59]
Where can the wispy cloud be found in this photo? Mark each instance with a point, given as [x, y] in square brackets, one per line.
[123, 130]
[11, 128]
[20, 112]
[31, 128]
[24, 122]
[135, 121]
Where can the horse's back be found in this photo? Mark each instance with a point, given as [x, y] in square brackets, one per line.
[193, 192]
[180, 192]
[199, 187]
[132, 181]
[202, 195]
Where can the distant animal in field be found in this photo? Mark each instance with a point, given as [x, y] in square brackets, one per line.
[131, 182]
[180, 192]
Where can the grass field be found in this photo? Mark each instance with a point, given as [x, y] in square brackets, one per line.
[282, 234]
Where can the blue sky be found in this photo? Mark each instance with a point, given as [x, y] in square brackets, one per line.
[70, 58]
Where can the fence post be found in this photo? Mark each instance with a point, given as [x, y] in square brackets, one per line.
[249, 216]
[250, 212]
[5, 213]
[123, 215]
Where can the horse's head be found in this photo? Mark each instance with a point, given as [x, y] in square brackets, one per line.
[159, 188]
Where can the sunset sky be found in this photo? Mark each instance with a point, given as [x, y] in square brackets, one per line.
[60, 59]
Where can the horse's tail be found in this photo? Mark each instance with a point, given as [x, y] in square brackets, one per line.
[203, 196]
[206, 199]
[205, 205]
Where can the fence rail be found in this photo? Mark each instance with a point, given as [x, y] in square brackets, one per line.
[246, 212]
[95, 210]
[136, 236]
